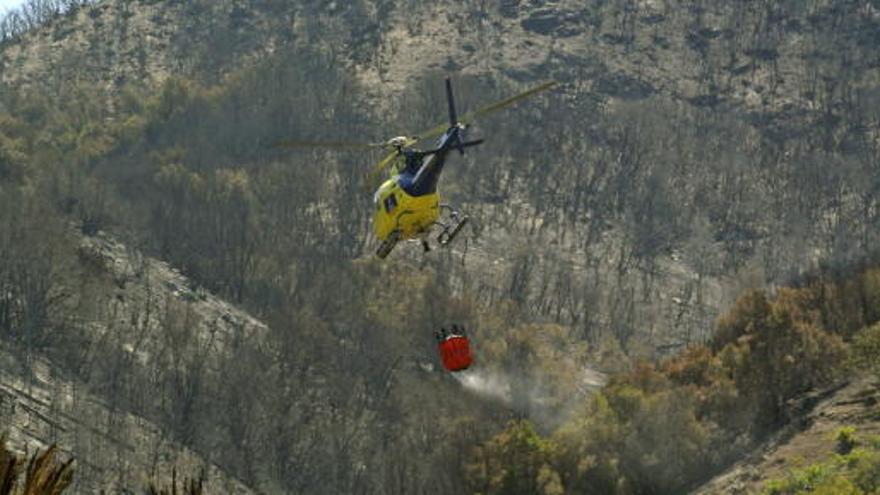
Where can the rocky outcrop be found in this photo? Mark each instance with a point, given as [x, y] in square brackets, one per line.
[553, 22]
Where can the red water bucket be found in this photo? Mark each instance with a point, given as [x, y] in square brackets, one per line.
[455, 352]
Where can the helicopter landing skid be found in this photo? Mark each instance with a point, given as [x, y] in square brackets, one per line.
[388, 244]
[450, 231]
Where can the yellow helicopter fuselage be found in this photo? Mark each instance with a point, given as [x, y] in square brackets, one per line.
[395, 209]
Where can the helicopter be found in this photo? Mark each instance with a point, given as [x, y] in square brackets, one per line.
[407, 205]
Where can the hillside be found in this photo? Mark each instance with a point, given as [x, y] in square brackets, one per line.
[692, 151]
[810, 439]
[763, 68]
[132, 300]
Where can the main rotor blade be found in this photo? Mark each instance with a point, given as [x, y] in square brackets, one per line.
[498, 105]
[373, 175]
[432, 132]
[299, 143]
[388, 160]
[382, 165]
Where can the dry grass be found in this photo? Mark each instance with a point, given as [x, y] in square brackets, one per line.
[44, 475]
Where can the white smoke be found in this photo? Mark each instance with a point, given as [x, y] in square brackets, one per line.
[487, 384]
[530, 391]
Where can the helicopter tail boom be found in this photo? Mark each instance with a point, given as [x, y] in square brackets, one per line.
[426, 178]
[466, 144]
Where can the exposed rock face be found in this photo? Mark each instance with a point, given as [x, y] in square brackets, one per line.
[553, 22]
[623, 86]
[509, 8]
[544, 21]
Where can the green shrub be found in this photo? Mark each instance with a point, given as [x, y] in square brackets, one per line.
[517, 460]
[801, 481]
[846, 439]
[865, 468]
[855, 473]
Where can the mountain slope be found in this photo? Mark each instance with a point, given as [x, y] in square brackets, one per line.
[811, 437]
[691, 151]
[752, 75]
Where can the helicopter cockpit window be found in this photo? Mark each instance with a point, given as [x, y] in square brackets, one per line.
[390, 203]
